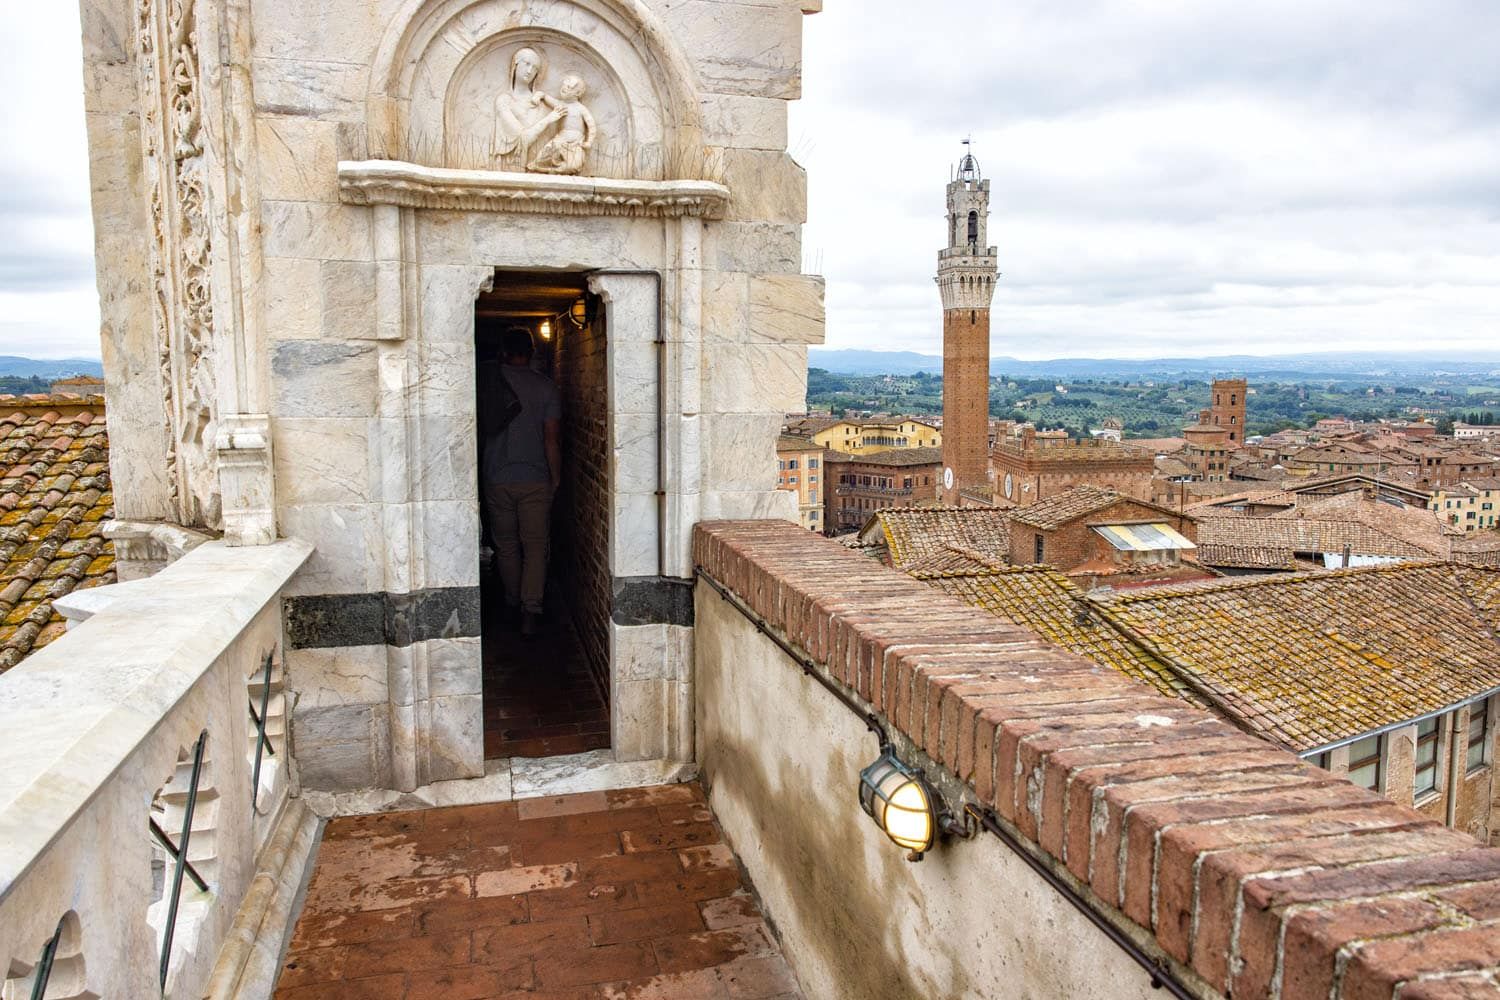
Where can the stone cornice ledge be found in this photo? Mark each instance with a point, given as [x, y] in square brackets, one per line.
[392, 182]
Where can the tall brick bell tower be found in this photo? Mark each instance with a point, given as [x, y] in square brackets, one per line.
[966, 278]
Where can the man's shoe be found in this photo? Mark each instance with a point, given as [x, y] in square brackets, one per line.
[529, 622]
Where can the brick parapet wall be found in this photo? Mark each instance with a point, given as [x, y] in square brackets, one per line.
[1265, 875]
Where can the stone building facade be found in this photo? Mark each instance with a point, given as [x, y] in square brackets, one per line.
[799, 471]
[859, 485]
[967, 267]
[1030, 467]
[297, 209]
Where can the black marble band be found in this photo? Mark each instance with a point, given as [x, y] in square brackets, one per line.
[322, 621]
[652, 600]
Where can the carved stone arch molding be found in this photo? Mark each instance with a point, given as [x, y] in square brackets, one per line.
[437, 72]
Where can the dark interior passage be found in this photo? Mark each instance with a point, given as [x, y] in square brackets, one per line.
[547, 693]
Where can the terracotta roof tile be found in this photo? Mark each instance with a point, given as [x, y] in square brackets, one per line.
[916, 533]
[1310, 659]
[54, 494]
[1043, 600]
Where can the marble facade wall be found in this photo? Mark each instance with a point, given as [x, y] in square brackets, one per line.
[349, 323]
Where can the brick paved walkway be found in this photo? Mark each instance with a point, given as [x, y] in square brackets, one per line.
[596, 896]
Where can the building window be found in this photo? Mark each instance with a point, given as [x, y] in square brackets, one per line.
[1479, 734]
[792, 480]
[1323, 760]
[1041, 548]
[780, 465]
[1427, 756]
[812, 497]
[1367, 762]
[791, 463]
[812, 480]
[812, 463]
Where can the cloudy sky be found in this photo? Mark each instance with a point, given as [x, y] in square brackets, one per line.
[1168, 177]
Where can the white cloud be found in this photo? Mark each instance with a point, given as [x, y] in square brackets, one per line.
[1167, 178]
[1211, 177]
[49, 307]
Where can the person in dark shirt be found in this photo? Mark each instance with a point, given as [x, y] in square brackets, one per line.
[521, 467]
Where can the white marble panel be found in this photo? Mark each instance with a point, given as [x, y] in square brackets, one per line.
[321, 460]
[597, 770]
[397, 573]
[726, 296]
[638, 725]
[317, 230]
[448, 295]
[632, 374]
[330, 30]
[348, 547]
[493, 786]
[786, 308]
[445, 464]
[292, 288]
[765, 186]
[576, 243]
[754, 378]
[450, 549]
[639, 652]
[634, 453]
[634, 535]
[455, 747]
[757, 247]
[317, 378]
[346, 675]
[348, 296]
[759, 505]
[332, 91]
[741, 451]
[748, 49]
[388, 459]
[444, 238]
[745, 122]
[445, 377]
[453, 666]
[298, 159]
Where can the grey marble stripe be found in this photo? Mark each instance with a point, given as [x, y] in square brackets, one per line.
[322, 621]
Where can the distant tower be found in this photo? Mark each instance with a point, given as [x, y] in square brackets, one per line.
[1227, 409]
[966, 279]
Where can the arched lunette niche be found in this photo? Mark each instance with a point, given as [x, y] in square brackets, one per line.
[439, 70]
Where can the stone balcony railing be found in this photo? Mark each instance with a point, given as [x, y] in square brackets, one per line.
[103, 731]
[1142, 832]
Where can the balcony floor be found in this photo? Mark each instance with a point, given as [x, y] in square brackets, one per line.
[594, 896]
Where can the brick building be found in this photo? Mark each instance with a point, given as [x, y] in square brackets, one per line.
[858, 485]
[799, 469]
[1471, 504]
[1032, 467]
[1100, 537]
[1227, 409]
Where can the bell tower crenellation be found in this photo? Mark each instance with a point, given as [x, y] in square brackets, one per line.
[967, 268]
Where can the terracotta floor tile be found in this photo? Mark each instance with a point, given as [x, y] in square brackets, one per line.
[707, 949]
[537, 902]
[602, 964]
[491, 911]
[472, 982]
[644, 922]
[372, 988]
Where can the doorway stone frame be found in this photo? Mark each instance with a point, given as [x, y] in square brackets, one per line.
[439, 237]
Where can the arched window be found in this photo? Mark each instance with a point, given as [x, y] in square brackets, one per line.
[973, 228]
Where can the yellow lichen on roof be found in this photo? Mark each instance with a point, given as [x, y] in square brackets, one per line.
[1311, 659]
[54, 498]
[915, 533]
[1043, 600]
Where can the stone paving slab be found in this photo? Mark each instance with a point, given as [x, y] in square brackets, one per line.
[591, 896]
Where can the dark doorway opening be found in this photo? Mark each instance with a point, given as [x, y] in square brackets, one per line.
[548, 693]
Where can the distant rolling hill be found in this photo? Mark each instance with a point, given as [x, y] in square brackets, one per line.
[49, 368]
[1285, 366]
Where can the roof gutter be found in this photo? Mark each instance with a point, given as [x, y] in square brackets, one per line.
[1392, 727]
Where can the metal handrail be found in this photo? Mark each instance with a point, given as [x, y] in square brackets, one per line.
[262, 741]
[182, 856]
[44, 964]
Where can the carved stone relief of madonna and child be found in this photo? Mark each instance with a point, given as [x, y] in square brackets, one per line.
[536, 130]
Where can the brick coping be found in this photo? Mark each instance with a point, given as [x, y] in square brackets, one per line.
[1266, 876]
